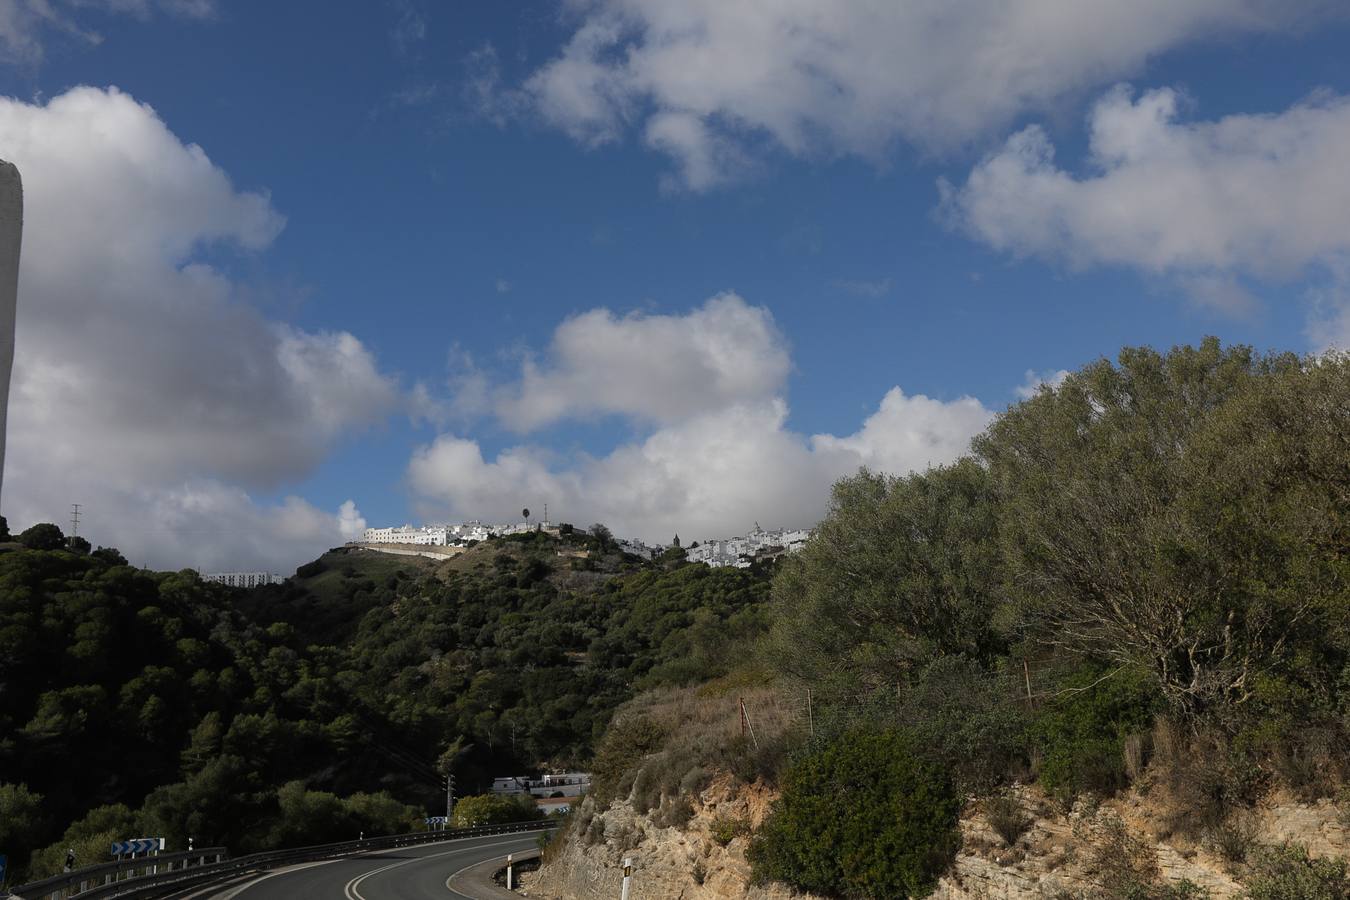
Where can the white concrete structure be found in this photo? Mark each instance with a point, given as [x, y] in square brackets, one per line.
[11, 237]
[433, 535]
[440, 535]
[637, 548]
[568, 784]
[244, 579]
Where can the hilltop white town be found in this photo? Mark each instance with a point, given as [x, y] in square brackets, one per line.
[738, 552]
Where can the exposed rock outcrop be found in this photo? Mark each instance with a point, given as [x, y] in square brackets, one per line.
[1060, 854]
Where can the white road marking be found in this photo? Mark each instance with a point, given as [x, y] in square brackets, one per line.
[352, 891]
[213, 891]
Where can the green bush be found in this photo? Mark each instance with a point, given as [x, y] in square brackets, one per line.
[1081, 733]
[1289, 873]
[863, 817]
[726, 829]
[628, 739]
[43, 536]
[494, 809]
[963, 719]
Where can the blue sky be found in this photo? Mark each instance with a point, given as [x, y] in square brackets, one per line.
[674, 267]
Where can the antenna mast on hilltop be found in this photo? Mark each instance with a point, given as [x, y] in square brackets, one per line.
[74, 519]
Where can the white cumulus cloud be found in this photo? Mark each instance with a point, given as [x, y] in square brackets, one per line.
[1209, 203]
[710, 82]
[718, 454]
[144, 387]
[659, 368]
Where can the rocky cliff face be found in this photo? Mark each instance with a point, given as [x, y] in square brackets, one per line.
[700, 859]
[1058, 854]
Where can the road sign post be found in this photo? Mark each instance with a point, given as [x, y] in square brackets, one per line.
[627, 876]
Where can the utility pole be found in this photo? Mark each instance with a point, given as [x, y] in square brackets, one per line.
[449, 798]
[74, 520]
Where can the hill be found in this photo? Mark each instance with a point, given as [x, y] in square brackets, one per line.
[153, 702]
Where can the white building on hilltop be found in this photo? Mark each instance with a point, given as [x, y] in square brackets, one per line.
[741, 551]
[244, 579]
[432, 535]
[437, 535]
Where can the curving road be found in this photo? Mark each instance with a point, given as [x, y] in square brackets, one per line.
[405, 873]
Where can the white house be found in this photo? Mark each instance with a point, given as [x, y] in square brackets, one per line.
[244, 579]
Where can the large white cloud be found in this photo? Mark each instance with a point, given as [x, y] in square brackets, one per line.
[652, 367]
[26, 24]
[1210, 203]
[706, 81]
[1262, 194]
[720, 456]
[144, 388]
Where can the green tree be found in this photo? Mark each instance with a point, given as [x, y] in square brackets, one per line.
[21, 822]
[901, 570]
[603, 536]
[378, 814]
[310, 817]
[111, 555]
[90, 838]
[43, 536]
[494, 809]
[1179, 513]
[863, 817]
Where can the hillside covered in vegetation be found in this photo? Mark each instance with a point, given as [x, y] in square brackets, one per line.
[155, 703]
[1138, 578]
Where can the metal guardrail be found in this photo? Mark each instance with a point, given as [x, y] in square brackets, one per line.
[81, 881]
[166, 883]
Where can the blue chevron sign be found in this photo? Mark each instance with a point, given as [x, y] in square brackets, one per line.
[137, 845]
[436, 820]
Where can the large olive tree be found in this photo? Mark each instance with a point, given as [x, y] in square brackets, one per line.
[901, 571]
[1186, 513]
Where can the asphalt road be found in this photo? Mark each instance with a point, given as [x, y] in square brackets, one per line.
[407, 873]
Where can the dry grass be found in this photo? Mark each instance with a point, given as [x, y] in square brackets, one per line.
[1007, 818]
[1124, 866]
[701, 733]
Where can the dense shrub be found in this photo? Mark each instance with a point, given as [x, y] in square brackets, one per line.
[863, 817]
[726, 829]
[311, 569]
[966, 720]
[627, 741]
[43, 536]
[1081, 733]
[1289, 873]
[1205, 778]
